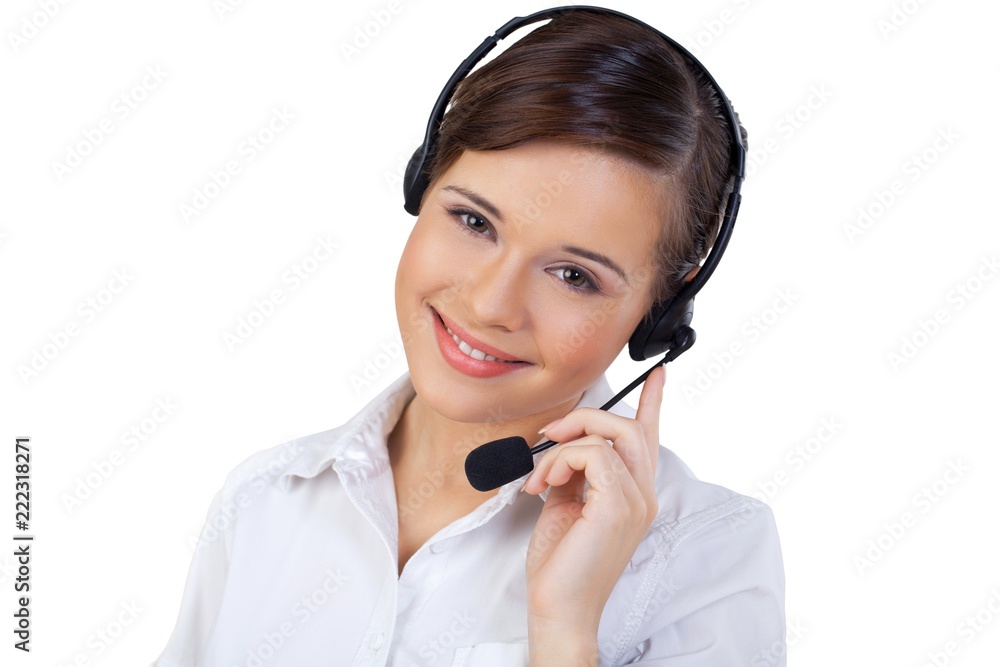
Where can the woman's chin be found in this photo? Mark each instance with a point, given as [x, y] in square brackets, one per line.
[463, 404]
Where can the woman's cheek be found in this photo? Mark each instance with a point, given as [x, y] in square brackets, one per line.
[571, 341]
[594, 333]
[431, 256]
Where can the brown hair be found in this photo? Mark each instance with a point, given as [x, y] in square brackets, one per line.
[600, 80]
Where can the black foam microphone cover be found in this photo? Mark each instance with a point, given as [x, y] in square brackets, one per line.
[498, 462]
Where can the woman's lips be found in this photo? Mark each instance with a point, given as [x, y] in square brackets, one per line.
[469, 340]
[460, 361]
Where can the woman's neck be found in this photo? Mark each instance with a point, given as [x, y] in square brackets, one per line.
[426, 446]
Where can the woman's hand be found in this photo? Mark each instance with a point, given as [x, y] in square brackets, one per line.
[579, 550]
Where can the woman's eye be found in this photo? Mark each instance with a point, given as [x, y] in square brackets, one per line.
[577, 279]
[471, 220]
[571, 276]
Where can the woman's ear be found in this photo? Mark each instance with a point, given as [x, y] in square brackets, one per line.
[691, 274]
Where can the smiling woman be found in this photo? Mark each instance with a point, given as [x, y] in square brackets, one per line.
[573, 187]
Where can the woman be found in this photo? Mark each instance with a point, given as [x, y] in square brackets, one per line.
[576, 181]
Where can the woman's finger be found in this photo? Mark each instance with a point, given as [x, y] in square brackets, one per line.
[609, 479]
[555, 470]
[648, 412]
[628, 437]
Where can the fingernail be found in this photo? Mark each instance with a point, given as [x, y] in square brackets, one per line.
[549, 425]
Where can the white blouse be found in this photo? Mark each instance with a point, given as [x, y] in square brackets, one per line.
[297, 565]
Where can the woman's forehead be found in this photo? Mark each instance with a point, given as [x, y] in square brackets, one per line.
[587, 189]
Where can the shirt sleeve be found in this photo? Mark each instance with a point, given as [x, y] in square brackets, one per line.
[203, 589]
[720, 598]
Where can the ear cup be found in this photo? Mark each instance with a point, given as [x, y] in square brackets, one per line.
[414, 181]
[666, 328]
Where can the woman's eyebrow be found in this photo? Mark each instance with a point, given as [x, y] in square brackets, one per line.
[599, 258]
[582, 252]
[479, 199]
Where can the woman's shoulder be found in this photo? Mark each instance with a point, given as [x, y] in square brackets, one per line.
[695, 516]
[709, 569]
[352, 443]
[687, 503]
[304, 455]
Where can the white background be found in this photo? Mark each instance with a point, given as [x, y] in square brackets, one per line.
[856, 299]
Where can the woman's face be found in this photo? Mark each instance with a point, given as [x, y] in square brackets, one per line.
[540, 254]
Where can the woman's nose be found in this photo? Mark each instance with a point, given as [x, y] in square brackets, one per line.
[495, 292]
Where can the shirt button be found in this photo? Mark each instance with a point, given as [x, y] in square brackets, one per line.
[377, 640]
[438, 547]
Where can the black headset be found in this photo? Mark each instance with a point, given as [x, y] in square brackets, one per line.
[665, 328]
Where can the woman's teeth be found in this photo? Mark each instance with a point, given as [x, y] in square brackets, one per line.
[473, 352]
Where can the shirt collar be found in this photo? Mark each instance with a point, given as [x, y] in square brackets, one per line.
[358, 447]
